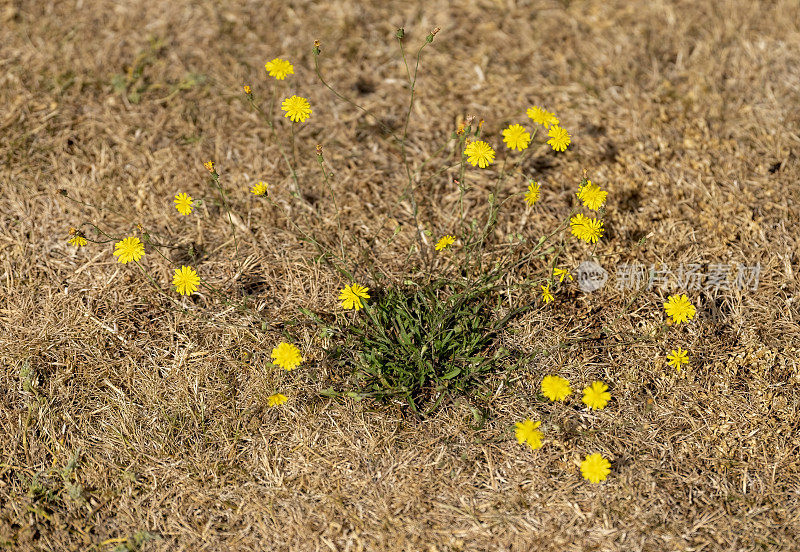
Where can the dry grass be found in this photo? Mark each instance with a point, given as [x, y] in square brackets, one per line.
[686, 111]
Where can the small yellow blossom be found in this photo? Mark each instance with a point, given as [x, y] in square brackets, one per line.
[185, 280]
[679, 308]
[596, 396]
[259, 189]
[276, 400]
[526, 432]
[297, 108]
[77, 239]
[555, 388]
[592, 196]
[479, 153]
[595, 468]
[279, 68]
[586, 229]
[129, 249]
[559, 138]
[678, 358]
[561, 273]
[184, 203]
[287, 356]
[247, 89]
[547, 296]
[516, 137]
[532, 195]
[542, 117]
[210, 166]
[445, 242]
[352, 295]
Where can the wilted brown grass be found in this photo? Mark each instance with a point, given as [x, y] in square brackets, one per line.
[687, 112]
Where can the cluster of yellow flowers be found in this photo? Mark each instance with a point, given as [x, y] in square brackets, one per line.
[584, 228]
[680, 309]
[479, 153]
[594, 467]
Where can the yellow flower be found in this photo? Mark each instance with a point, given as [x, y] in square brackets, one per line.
[279, 68]
[586, 229]
[259, 189]
[183, 203]
[210, 166]
[532, 195]
[546, 295]
[542, 117]
[277, 399]
[77, 239]
[247, 89]
[679, 308]
[185, 280]
[678, 358]
[479, 153]
[595, 468]
[445, 242]
[592, 196]
[560, 273]
[287, 356]
[526, 432]
[516, 137]
[297, 108]
[596, 396]
[129, 249]
[559, 138]
[555, 388]
[352, 295]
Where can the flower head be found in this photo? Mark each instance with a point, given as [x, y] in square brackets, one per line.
[445, 242]
[185, 280]
[592, 196]
[352, 295]
[526, 432]
[585, 228]
[297, 108]
[279, 68]
[183, 203]
[561, 273]
[532, 195]
[559, 138]
[479, 153]
[678, 358]
[277, 399]
[287, 356]
[129, 249]
[77, 239]
[679, 308]
[259, 189]
[542, 117]
[247, 89]
[547, 296]
[595, 468]
[555, 388]
[210, 166]
[516, 137]
[596, 396]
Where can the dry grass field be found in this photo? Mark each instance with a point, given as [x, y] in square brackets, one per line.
[129, 424]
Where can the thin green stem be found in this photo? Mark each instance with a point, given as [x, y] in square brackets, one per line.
[325, 175]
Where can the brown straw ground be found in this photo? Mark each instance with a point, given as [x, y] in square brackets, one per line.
[123, 418]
